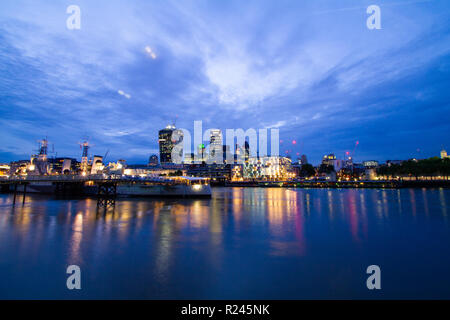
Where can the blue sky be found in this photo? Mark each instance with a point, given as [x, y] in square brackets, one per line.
[310, 68]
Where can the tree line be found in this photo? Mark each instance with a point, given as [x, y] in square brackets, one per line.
[431, 167]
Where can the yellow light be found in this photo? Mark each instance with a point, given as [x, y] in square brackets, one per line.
[197, 187]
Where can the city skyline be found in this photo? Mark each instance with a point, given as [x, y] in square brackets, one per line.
[210, 145]
[321, 76]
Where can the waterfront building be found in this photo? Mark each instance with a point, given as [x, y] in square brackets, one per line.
[4, 169]
[218, 173]
[168, 138]
[143, 170]
[215, 146]
[241, 153]
[394, 162]
[246, 151]
[228, 155]
[189, 158]
[268, 168]
[331, 160]
[328, 159]
[237, 173]
[349, 163]
[370, 164]
[370, 174]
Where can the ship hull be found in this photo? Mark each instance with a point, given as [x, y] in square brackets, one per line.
[143, 190]
[123, 189]
[137, 190]
[36, 187]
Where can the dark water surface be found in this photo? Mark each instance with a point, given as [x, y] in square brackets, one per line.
[244, 243]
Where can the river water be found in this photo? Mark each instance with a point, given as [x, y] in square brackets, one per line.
[244, 243]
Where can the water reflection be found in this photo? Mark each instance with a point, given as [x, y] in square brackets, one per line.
[166, 240]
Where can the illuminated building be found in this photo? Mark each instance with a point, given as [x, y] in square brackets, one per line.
[337, 164]
[246, 151]
[227, 155]
[153, 160]
[4, 169]
[189, 158]
[236, 173]
[167, 142]
[116, 167]
[393, 162]
[241, 154]
[20, 167]
[143, 170]
[329, 159]
[216, 172]
[268, 168]
[370, 164]
[215, 146]
[444, 155]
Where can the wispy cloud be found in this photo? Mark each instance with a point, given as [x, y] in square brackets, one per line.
[134, 66]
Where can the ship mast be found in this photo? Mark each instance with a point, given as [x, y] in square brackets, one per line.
[84, 157]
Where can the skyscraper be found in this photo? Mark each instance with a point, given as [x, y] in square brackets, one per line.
[247, 151]
[167, 141]
[215, 146]
[304, 159]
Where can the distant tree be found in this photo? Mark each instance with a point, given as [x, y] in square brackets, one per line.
[307, 170]
[326, 168]
[417, 168]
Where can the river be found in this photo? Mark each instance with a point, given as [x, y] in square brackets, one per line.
[244, 243]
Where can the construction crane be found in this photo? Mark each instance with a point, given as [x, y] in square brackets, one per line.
[106, 154]
[354, 150]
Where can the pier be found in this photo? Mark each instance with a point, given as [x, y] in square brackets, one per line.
[104, 187]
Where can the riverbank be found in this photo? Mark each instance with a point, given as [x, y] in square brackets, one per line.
[393, 184]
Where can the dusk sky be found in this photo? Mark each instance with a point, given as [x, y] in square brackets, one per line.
[310, 68]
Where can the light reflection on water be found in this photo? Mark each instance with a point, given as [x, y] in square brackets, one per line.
[243, 243]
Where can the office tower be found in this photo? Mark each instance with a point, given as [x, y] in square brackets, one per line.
[304, 160]
[168, 138]
[215, 146]
[247, 151]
